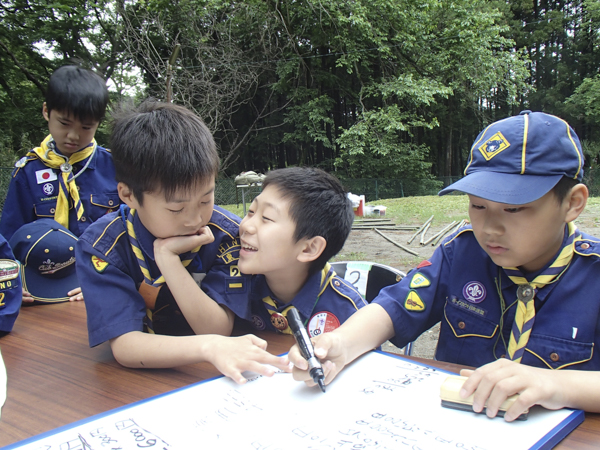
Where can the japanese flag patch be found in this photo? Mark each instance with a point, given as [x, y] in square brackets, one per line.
[43, 176]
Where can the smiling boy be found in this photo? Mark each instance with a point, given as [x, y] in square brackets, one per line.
[68, 178]
[156, 273]
[516, 293]
[300, 220]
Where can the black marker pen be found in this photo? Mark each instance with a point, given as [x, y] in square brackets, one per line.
[306, 347]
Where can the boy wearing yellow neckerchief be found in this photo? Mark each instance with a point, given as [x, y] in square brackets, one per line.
[516, 293]
[168, 236]
[68, 178]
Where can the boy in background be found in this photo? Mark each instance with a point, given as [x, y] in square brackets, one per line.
[516, 293]
[68, 178]
[300, 220]
[167, 235]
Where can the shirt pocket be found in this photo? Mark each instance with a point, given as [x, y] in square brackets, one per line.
[45, 209]
[103, 204]
[556, 353]
[466, 323]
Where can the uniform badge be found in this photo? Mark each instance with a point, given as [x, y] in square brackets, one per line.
[9, 270]
[21, 163]
[419, 281]
[48, 189]
[279, 321]
[494, 145]
[423, 264]
[99, 264]
[322, 322]
[413, 302]
[257, 322]
[474, 292]
[2, 304]
[44, 176]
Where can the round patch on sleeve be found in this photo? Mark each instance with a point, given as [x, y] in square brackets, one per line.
[99, 264]
[413, 302]
[322, 322]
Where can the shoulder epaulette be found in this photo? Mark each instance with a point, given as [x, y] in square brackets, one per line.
[22, 163]
[587, 247]
[110, 236]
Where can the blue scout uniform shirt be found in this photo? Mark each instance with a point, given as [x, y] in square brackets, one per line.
[11, 292]
[325, 302]
[463, 288]
[111, 275]
[31, 197]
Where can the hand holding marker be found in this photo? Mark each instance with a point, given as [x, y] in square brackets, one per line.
[306, 347]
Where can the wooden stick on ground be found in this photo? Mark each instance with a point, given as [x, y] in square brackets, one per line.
[441, 233]
[408, 250]
[420, 230]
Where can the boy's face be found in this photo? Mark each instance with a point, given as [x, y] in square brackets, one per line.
[183, 215]
[69, 133]
[267, 236]
[526, 236]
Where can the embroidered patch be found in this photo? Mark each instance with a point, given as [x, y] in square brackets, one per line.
[21, 163]
[423, 264]
[2, 304]
[474, 292]
[322, 322]
[419, 281]
[43, 176]
[9, 269]
[234, 271]
[229, 251]
[99, 264]
[469, 307]
[413, 302]
[236, 284]
[48, 189]
[494, 145]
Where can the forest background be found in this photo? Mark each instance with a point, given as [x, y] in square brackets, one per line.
[391, 89]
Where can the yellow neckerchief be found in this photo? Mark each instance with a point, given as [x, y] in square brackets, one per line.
[46, 152]
[525, 314]
[279, 319]
[186, 258]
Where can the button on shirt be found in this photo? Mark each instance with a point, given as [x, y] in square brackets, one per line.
[30, 197]
[463, 293]
[111, 275]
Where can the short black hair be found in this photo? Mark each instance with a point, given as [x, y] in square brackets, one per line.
[77, 91]
[319, 206]
[563, 187]
[161, 146]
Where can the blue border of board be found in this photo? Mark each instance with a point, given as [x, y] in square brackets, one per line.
[548, 441]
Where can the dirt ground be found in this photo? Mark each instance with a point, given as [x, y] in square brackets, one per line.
[368, 245]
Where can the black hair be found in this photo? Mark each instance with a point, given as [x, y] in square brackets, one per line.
[563, 187]
[161, 146]
[318, 205]
[77, 91]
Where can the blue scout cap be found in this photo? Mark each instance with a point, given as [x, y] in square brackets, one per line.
[519, 159]
[46, 251]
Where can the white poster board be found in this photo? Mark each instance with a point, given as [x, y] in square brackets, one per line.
[379, 402]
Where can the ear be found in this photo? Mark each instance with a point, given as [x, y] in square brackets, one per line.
[312, 249]
[126, 195]
[45, 112]
[575, 201]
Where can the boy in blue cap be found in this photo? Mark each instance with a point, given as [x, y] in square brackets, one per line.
[299, 222]
[156, 273]
[68, 177]
[516, 292]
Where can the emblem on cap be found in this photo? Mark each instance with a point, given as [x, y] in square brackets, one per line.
[9, 269]
[494, 145]
[474, 292]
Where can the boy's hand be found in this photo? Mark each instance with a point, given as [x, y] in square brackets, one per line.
[75, 295]
[27, 297]
[329, 349]
[177, 245]
[497, 381]
[234, 355]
